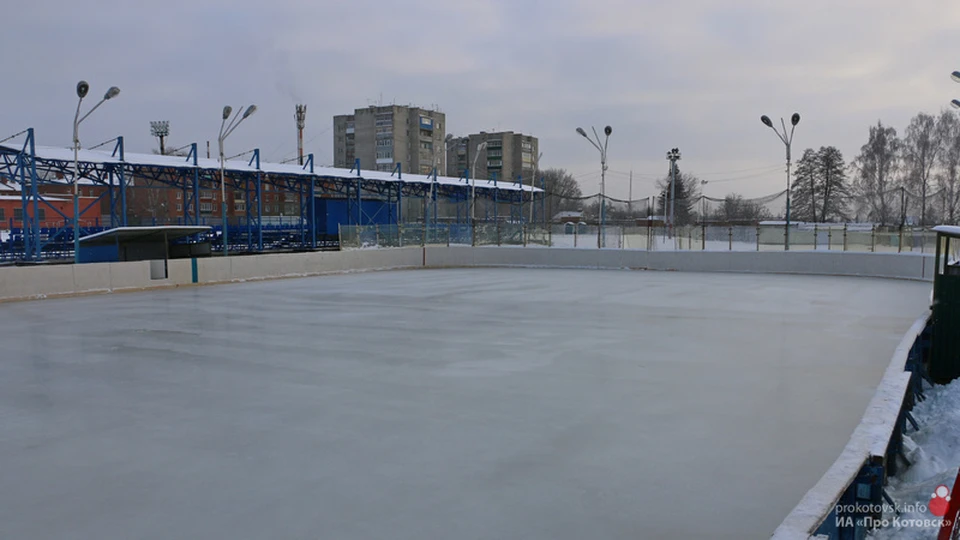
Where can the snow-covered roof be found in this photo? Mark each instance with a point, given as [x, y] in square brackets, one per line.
[951, 230]
[290, 169]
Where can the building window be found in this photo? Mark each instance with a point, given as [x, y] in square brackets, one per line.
[385, 167]
[2, 215]
[426, 145]
[289, 209]
[18, 214]
[494, 163]
[206, 207]
[179, 195]
[179, 207]
[494, 144]
[526, 146]
[495, 153]
[384, 142]
[290, 197]
[240, 206]
[384, 154]
[42, 212]
[206, 194]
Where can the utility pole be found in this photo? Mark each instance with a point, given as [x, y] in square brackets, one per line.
[673, 156]
[630, 197]
[301, 117]
[160, 129]
[208, 149]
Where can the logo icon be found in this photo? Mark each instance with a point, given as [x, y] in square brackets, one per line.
[940, 501]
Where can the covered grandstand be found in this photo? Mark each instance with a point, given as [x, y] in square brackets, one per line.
[325, 197]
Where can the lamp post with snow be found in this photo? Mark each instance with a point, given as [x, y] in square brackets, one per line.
[225, 131]
[82, 89]
[787, 141]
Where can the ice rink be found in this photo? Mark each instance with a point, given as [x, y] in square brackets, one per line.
[438, 404]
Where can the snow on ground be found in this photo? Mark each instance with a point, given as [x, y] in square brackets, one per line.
[4, 236]
[934, 451]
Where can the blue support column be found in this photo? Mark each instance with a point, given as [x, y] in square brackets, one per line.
[254, 161]
[496, 200]
[433, 195]
[313, 205]
[35, 219]
[359, 200]
[259, 211]
[27, 235]
[195, 195]
[123, 184]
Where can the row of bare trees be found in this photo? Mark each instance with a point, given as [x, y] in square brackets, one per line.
[911, 178]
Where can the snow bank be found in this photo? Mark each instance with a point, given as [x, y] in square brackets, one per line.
[934, 451]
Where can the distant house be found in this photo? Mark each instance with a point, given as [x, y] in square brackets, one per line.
[568, 216]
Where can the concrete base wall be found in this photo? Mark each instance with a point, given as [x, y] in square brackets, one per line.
[22, 283]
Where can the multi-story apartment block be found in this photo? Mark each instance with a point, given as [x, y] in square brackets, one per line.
[506, 155]
[381, 137]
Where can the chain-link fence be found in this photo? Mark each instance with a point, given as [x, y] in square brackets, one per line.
[578, 235]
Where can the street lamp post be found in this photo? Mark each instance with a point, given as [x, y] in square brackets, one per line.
[533, 180]
[225, 131]
[602, 148]
[787, 141]
[82, 89]
[473, 184]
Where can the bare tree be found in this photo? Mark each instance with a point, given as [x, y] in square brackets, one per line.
[921, 147]
[563, 191]
[875, 169]
[948, 179]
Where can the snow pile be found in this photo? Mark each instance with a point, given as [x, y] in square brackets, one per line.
[934, 452]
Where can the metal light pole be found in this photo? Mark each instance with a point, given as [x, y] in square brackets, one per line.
[533, 179]
[673, 156]
[473, 187]
[82, 89]
[225, 131]
[787, 141]
[160, 129]
[703, 202]
[602, 148]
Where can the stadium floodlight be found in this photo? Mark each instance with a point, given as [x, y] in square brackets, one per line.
[956, 103]
[787, 140]
[225, 131]
[602, 148]
[160, 129]
[82, 89]
[955, 76]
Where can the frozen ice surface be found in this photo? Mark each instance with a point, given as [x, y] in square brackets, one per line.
[467, 404]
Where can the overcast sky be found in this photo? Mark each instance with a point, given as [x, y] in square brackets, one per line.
[693, 74]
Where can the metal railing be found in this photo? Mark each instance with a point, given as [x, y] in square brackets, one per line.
[833, 237]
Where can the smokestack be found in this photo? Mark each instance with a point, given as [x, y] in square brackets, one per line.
[301, 117]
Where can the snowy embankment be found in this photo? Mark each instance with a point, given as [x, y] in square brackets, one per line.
[934, 452]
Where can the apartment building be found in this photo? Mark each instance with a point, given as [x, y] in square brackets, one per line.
[506, 154]
[380, 137]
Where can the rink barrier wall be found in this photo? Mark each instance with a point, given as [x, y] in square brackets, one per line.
[49, 281]
[844, 503]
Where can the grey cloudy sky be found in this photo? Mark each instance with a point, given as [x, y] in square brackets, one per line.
[693, 74]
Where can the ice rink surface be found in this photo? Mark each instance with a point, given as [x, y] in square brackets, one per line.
[438, 404]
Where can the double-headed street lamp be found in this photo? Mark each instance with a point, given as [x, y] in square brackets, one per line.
[602, 148]
[787, 141]
[225, 131]
[82, 89]
[473, 189]
[956, 78]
